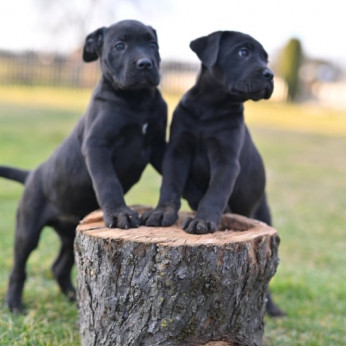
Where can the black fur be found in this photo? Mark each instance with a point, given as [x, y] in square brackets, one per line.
[121, 132]
[211, 159]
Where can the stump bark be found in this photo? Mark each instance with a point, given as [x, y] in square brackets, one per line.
[162, 286]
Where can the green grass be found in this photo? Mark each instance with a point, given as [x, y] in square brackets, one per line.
[304, 151]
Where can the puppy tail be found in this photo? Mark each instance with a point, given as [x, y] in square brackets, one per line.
[15, 174]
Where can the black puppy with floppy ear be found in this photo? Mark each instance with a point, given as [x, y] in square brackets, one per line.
[211, 159]
[137, 70]
[121, 132]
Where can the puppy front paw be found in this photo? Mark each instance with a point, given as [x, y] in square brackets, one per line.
[122, 217]
[161, 216]
[199, 226]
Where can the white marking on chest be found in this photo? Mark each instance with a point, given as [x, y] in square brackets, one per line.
[144, 128]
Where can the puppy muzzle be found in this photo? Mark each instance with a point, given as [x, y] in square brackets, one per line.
[144, 73]
[257, 87]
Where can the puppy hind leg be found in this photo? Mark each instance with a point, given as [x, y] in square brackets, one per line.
[29, 227]
[63, 264]
[262, 213]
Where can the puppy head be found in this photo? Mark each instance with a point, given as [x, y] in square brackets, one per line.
[236, 62]
[128, 53]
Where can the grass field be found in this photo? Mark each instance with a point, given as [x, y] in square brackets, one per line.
[304, 151]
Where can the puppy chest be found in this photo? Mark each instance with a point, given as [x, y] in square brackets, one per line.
[130, 148]
[200, 164]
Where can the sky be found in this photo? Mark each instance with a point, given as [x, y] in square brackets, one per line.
[319, 24]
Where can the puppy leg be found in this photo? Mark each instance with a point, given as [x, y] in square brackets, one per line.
[108, 189]
[225, 168]
[63, 264]
[176, 168]
[193, 194]
[29, 225]
[263, 214]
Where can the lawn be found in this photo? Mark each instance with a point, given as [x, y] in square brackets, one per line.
[304, 151]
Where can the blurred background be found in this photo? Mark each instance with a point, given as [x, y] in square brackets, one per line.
[41, 41]
[300, 132]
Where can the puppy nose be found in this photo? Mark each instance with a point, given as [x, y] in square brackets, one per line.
[268, 74]
[144, 64]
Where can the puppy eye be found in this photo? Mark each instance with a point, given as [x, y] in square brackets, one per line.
[119, 46]
[243, 52]
[154, 44]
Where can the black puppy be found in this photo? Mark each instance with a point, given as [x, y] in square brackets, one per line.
[122, 131]
[211, 159]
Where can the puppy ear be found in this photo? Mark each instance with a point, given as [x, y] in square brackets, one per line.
[93, 45]
[207, 48]
[153, 30]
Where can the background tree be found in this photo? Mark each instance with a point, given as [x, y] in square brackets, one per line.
[289, 65]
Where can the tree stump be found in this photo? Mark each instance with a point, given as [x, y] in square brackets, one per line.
[162, 286]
